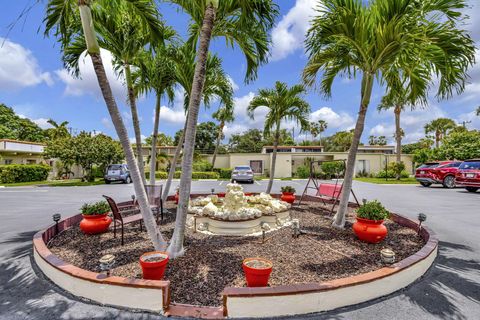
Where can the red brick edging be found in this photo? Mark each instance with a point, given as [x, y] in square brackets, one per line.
[41, 239]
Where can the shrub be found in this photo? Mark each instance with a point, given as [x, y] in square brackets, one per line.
[195, 175]
[201, 166]
[224, 173]
[96, 208]
[391, 174]
[372, 210]
[289, 189]
[303, 172]
[23, 173]
[332, 169]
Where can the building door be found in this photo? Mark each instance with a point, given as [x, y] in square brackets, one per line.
[257, 166]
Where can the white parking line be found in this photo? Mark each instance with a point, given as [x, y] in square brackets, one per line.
[221, 182]
[257, 182]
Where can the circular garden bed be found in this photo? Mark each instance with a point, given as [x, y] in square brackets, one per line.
[212, 263]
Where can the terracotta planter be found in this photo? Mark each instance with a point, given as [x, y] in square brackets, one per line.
[288, 197]
[154, 264]
[95, 223]
[257, 271]
[372, 231]
[176, 198]
[221, 195]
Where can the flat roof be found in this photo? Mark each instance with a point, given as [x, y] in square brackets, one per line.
[22, 142]
[297, 147]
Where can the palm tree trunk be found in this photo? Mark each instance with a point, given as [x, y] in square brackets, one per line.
[173, 167]
[150, 224]
[153, 155]
[217, 145]
[437, 138]
[136, 122]
[274, 160]
[398, 137]
[367, 84]
[176, 245]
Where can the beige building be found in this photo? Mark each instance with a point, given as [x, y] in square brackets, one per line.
[370, 159]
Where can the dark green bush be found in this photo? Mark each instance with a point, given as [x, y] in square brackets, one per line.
[332, 169]
[195, 175]
[373, 210]
[224, 173]
[391, 174]
[13, 173]
[96, 208]
[201, 166]
[303, 172]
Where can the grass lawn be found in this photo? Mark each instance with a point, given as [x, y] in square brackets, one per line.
[55, 183]
[410, 180]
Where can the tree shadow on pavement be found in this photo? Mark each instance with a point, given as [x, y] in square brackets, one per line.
[26, 294]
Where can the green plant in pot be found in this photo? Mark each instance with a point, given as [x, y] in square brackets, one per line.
[288, 194]
[369, 225]
[95, 217]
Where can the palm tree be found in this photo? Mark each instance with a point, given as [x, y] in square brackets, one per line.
[283, 103]
[317, 128]
[440, 127]
[156, 73]
[217, 86]
[477, 112]
[246, 23]
[65, 20]
[350, 37]
[59, 130]
[223, 115]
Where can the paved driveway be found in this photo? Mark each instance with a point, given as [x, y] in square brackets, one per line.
[451, 290]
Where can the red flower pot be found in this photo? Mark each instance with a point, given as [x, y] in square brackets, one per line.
[288, 197]
[95, 223]
[153, 265]
[372, 231]
[221, 195]
[257, 271]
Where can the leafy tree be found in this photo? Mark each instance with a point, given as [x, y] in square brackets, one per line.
[224, 115]
[440, 127]
[63, 150]
[206, 135]
[339, 142]
[283, 103]
[69, 18]
[16, 128]
[461, 145]
[162, 140]
[59, 130]
[284, 139]
[423, 143]
[422, 155]
[370, 38]
[317, 128]
[377, 141]
[248, 141]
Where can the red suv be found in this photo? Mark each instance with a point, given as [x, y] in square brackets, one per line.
[442, 172]
[468, 175]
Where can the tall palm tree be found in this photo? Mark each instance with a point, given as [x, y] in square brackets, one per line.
[224, 115]
[59, 130]
[317, 128]
[440, 127]
[156, 73]
[246, 23]
[65, 20]
[217, 86]
[283, 103]
[355, 37]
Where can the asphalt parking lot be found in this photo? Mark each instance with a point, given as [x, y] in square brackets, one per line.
[450, 290]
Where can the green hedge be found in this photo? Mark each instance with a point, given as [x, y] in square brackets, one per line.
[391, 174]
[13, 173]
[224, 173]
[195, 175]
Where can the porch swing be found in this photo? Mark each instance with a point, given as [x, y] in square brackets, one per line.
[326, 191]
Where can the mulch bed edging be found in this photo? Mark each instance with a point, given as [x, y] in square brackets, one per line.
[42, 237]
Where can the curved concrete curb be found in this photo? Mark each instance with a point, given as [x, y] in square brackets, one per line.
[237, 302]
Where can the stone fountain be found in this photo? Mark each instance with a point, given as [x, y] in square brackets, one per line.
[237, 213]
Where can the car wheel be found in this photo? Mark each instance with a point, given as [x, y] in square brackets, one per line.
[449, 182]
[128, 180]
[426, 184]
[471, 189]
[107, 182]
[232, 181]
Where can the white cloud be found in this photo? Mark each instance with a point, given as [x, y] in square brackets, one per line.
[87, 83]
[42, 123]
[340, 121]
[19, 68]
[107, 122]
[289, 34]
[472, 89]
[235, 86]
[142, 137]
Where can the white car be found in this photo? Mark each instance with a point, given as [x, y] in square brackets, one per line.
[243, 174]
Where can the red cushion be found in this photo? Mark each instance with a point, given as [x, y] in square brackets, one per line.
[330, 190]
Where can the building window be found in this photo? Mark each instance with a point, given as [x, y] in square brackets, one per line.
[31, 161]
[8, 161]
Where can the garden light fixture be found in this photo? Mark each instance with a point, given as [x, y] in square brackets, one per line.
[421, 218]
[56, 218]
[388, 256]
[106, 263]
[296, 228]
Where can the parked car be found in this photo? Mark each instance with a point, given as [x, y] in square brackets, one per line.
[468, 175]
[242, 173]
[117, 172]
[427, 173]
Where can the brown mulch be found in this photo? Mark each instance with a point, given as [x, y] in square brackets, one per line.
[212, 263]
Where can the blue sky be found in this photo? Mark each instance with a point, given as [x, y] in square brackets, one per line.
[34, 83]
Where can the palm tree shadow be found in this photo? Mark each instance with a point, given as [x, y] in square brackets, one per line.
[25, 293]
